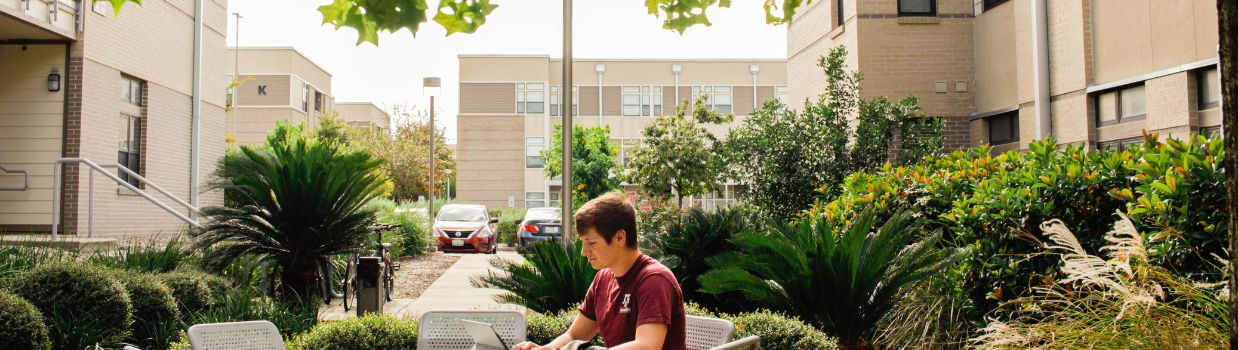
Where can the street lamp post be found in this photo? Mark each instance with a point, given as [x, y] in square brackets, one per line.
[431, 86]
[236, 76]
[448, 172]
[566, 196]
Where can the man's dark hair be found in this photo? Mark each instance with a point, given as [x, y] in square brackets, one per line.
[608, 214]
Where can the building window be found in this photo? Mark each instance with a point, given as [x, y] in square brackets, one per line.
[228, 98]
[129, 146]
[535, 199]
[318, 101]
[530, 98]
[988, 4]
[131, 90]
[305, 97]
[555, 95]
[780, 94]
[1209, 89]
[1210, 131]
[716, 97]
[533, 151]
[642, 101]
[1120, 106]
[1004, 128]
[1120, 145]
[917, 8]
[554, 199]
[838, 14]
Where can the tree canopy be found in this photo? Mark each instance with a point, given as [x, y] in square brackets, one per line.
[678, 155]
[594, 161]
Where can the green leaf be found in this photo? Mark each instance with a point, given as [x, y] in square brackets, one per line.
[116, 4]
[464, 17]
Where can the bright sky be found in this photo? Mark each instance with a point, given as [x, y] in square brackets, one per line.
[393, 71]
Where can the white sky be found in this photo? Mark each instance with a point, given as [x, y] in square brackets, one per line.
[392, 72]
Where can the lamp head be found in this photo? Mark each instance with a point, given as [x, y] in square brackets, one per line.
[53, 80]
[600, 68]
[431, 86]
[675, 68]
[754, 68]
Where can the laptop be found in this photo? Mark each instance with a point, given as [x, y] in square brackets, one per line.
[484, 336]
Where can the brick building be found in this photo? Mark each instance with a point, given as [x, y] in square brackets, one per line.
[1007, 72]
[286, 86]
[509, 105]
[76, 82]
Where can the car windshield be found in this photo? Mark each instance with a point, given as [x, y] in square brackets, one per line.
[542, 215]
[461, 214]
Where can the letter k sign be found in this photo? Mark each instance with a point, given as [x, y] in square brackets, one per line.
[262, 89]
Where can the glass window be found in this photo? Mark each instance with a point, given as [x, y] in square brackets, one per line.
[554, 103]
[535, 140]
[131, 90]
[462, 213]
[129, 146]
[644, 105]
[696, 89]
[535, 86]
[535, 195]
[988, 4]
[780, 94]
[631, 89]
[1209, 89]
[534, 101]
[657, 89]
[722, 103]
[722, 89]
[554, 89]
[917, 7]
[1004, 128]
[305, 97]
[535, 204]
[519, 86]
[554, 196]
[1133, 102]
[533, 156]
[631, 105]
[1107, 108]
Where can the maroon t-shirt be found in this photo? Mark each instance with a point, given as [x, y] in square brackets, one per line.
[648, 292]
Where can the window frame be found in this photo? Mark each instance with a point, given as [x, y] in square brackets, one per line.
[129, 155]
[529, 145]
[648, 100]
[840, 19]
[932, 10]
[1201, 89]
[556, 95]
[710, 92]
[1121, 144]
[129, 83]
[305, 97]
[989, 4]
[1121, 116]
[523, 90]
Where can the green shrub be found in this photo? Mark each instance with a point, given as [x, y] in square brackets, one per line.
[82, 305]
[1171, 188]
[507, 225]
[412, 236]
[702, 234]
[543, 328]
[654, 213]
[191, 291]
[780, 332]
[365, 333]
[154, 308]
[551, 279]
[292, 317]
[21, 325]
[16, 259]
[151, 256]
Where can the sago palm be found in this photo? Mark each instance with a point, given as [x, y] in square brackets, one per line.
[841, 279]
[551, 280]
[685, 247]
[298, 202]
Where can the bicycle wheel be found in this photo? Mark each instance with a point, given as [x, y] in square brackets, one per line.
[350, 281]
[389, 281]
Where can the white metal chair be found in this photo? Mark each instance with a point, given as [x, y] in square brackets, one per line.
[441, 329]
[705, 333]
[251, 335]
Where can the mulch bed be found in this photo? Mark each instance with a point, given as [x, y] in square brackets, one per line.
[417, 273]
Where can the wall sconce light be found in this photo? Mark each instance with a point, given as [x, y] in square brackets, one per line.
[53, 80]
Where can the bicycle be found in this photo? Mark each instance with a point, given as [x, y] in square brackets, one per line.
[352, 285]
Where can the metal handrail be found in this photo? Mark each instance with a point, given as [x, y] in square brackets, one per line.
[91, 209]
[24, 173]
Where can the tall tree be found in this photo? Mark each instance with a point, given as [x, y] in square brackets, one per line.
[1227, 15]
[784, 156]
[594, 163]
[406, 149]
[678, 155]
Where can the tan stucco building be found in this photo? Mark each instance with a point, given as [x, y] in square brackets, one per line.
[286, 85]
[123, 94]
[509, 106]
[1007, 72]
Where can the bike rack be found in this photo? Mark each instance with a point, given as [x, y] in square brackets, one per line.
[24, 174]
[91, 193]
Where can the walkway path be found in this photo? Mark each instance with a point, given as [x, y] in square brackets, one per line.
[452, 290]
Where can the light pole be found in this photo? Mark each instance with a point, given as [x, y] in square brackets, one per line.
[448, 172]
[431, 86]
[567, 127]
[236, 76]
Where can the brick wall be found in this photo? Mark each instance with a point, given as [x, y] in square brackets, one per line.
[1170, 110]
[1071, 121]
[490, 158]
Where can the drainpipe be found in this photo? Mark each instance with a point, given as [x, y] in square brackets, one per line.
[754, 69]
[196, 112]
[1040, 68]
[675, 68]
[600, 68]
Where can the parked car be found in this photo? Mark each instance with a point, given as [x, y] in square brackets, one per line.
[539, 224]
[466, 228]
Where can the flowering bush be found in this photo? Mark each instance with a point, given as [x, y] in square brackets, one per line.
[654, 212]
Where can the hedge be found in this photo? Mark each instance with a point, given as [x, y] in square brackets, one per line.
[21, 325]
[82, 304]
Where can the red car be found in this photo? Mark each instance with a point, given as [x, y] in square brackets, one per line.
[466, 228]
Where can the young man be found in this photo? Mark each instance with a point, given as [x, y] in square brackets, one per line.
[635, 301]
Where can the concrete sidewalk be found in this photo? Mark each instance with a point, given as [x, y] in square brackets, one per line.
[451, 291]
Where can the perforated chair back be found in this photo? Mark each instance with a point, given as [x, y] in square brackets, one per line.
[704, 333]
[441, 329]
[251, 335]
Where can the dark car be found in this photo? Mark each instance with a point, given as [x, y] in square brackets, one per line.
[466, 228]
[539, 224]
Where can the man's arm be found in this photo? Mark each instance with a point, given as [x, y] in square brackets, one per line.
[582, 328]
[649, 336]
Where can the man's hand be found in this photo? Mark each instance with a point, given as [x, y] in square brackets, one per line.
[530, 346]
